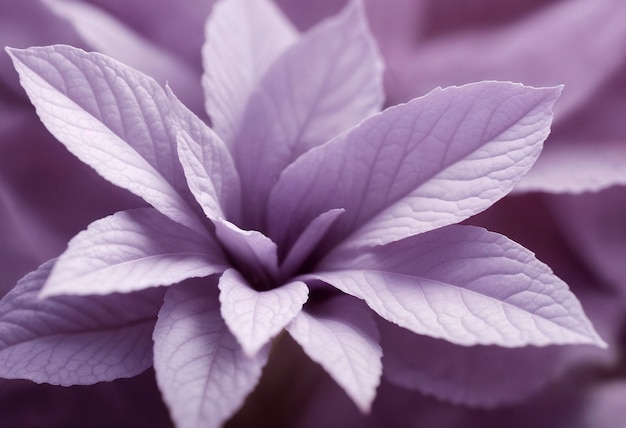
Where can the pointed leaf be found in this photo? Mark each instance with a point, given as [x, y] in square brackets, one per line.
[557, 45]
[326, 83]
[415, 167]
[74, 340]
[132, 250]
[108, 35]
[110, 117]
[243, 38]
[202, 371]
[208, 165]
[255, 317]
[307, 241]
[341, 336]
[465, 285]
[251, 249]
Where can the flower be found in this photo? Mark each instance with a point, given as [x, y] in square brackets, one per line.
[302, 209]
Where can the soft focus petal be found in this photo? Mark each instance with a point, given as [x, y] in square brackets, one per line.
[342, 337]
[208, 166]
[254, 317]
[595, 226]
[243, 38]
[415, 167]
[202, 371]
[132, 250]
[104, 33]
[111, 117]
[564, 43]
[74, 340]
[466, 285]
[326, 83]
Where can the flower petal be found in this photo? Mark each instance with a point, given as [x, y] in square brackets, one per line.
[326, 83]
[202, 371]
[307, 241]
[254, 317]
[466, 285]
[132, 250]
[74, 340]
[209, 168]
[254, 252]
[415, 167]
[108, 35]
[342, 337]
[243, 38]
[111, 117]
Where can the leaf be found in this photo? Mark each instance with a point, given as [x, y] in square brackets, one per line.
[250, 249]
[202, 371]
[307, 241]
[112, 118]
[74, 340]
[482, 376]
[465, 285]
[556, 45]
[341, 336]
[324, 84]
[416, 167]
[254, 317]
[106, 34]
[243, 38]
[208, 165]
[577, 167]
[132, 250]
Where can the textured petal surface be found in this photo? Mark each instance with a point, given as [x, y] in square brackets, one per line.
[466, 285]
[342, 337]
[243, 38]
[132, 250]
[110, 117]
[415, 167]
[110, 36]
[74, 340]
[323, 85]
[209, 168]
[201, 369]
[255, 317]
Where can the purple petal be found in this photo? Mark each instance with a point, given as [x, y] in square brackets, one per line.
[307, 241]
[110, 117]
[572, 167]
[251, 249]
[105, 34]
[202, 371]
[557, 45]
[484, 376]
[132, 250]
[323, 85]
[243, 39]
[415, 167]
[466, 285]
[209, 168]
[254, 317]
[595, 225]
[342, 337]
[74, 340]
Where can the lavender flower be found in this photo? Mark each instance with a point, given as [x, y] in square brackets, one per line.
[301, 209]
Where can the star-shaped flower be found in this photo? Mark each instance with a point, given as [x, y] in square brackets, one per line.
[302, 208]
